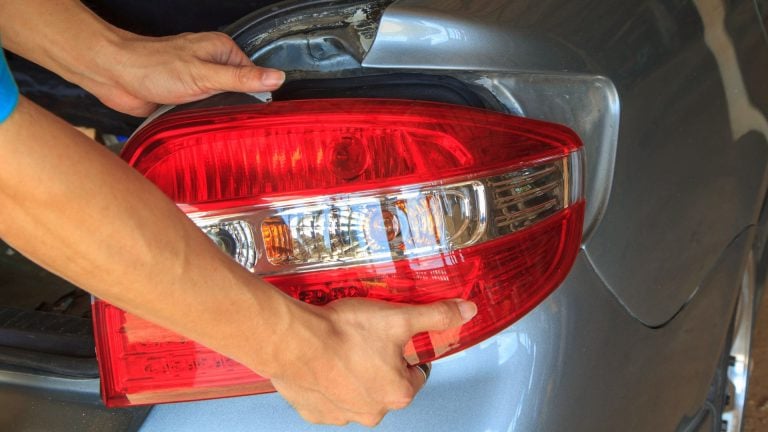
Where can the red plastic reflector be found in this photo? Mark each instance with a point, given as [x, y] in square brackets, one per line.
[402, 201]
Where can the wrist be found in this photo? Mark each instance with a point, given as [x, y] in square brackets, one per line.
[92, 65]
[294, 342]
[67, 39]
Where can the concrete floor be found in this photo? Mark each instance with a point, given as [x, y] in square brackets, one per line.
[757, 402]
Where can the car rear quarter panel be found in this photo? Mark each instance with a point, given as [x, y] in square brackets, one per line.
[691, 152]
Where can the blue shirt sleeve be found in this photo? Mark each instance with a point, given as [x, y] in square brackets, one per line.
[9, 93]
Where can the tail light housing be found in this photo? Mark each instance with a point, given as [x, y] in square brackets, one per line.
[395, 200]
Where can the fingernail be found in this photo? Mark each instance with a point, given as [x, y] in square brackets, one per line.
[468, 310]
[272, 78]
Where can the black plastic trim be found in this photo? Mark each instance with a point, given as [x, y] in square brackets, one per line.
[35, 362]
[398, 85]
[46, 332]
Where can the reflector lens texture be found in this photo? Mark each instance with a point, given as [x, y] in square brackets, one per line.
[320, 147]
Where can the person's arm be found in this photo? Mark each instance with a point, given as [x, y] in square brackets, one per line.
[128, 72]
[79, 211]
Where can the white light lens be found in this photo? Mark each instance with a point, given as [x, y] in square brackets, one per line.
[384, 226]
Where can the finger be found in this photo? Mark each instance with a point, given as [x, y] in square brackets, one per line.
[319, 417]
[370, 420]
[439, 316]
[245, 79]
[416, 377]
[318, 409]
[313, 406]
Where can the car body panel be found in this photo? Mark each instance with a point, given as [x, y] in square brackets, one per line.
[42, 403]
[683, 184]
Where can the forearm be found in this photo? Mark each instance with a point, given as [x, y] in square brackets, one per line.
[81, 212]
[75, 208]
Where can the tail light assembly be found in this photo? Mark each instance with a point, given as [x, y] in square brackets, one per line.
[402, 201]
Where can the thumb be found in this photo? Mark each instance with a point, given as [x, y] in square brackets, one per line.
[240, 78]
[439, 316]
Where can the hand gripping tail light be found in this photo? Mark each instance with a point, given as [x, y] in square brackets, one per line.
[402, 201]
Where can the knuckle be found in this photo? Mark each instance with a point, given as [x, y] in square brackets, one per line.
[224, 40]
[202, 79]
[216, 39]
[370, 420]
[214, 35]
[186, 40]
[242, 76]
[310, 418]
[401, 326]
[324, 420]
[443, 315]
[217, 36]
[400, 403]
[401, 399]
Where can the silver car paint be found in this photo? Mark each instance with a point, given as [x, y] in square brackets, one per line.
[654, 267]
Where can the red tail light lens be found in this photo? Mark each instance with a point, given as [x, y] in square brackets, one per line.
[395, 200]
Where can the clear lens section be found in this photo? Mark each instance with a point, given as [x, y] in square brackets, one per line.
[524, 197]
[235, 238]
[394, 226]
[413, 222]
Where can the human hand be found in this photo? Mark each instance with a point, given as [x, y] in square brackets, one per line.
[349, 365]
[128, 72]
[136, 73]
